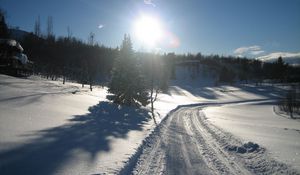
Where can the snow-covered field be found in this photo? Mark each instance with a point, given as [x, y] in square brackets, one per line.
[50, 128]
[258, 123]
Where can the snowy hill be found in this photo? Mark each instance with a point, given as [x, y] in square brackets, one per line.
[50, 128]
[290, 58]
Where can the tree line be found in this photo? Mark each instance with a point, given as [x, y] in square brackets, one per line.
[135, 78]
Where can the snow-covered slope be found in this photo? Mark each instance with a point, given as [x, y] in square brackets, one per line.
[50, 128]
[258, 123]
[222, 146]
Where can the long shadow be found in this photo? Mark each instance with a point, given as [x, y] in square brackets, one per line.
[88, 133]
[31, 95]
[204, 92]
[267, 91]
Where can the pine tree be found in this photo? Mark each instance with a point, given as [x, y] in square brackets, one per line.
[4, 32]
[279, 69]
[127, 83]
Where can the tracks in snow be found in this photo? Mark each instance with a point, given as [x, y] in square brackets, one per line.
[186, 143]
[183, 146]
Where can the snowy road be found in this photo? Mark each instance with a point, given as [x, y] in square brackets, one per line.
[185, 143]
[185, 147]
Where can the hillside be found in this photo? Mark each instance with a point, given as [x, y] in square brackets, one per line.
[73, 130]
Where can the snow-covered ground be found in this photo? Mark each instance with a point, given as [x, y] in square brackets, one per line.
[50, 128]
[236, 133]
[187, 143]
[258, 123]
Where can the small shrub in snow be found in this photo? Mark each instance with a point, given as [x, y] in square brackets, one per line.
[291, 102]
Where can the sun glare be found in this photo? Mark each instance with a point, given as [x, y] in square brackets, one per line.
[148, 30]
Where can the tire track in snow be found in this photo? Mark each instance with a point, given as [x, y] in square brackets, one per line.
[186, 143]
[183, 146]
[222, 161]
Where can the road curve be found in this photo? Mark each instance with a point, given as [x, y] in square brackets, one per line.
[183, 145]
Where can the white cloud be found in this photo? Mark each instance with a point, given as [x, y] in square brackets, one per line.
[253, 50]
[275, 55]
[257, 52]
[149, 2]
[100, 26]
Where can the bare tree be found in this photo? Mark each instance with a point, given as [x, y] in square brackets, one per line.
[153, 97]
[154, 89]
[69, 32]
[49, 26]
[290, 103]
[91, 38]
[37, 27]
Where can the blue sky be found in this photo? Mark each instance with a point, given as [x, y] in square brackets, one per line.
[250, 28]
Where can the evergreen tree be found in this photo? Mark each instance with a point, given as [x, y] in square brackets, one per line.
[226, 75]
[279, 69]
[4, 33]
[281, 66]
[127, 83]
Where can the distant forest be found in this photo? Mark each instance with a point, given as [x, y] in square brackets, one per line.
[90, 63]
[85, 62]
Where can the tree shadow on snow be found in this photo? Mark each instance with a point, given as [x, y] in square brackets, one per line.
[265, 91]
[88, 133]
[202, 92]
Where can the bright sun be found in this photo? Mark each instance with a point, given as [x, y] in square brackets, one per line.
[148, 30]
